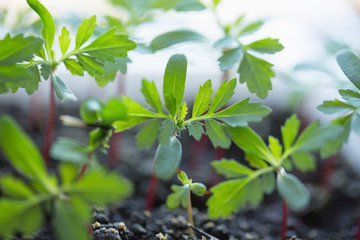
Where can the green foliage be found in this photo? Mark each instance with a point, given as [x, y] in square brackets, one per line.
[247, 186]
[23, 204]
[181, 194]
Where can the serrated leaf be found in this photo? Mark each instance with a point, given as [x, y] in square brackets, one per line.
[250, 142]
[146, 137]
[136, 115]
[275, 147]
[45, 70]
[151, 95]
[85, 31]
[289, 131]
[196, 129]
[335, 106]
[110, 45]
[304, 161]
[256, 73]
[167, 159]
[48, 31]
[180, 196]
[268, 182]
[349, 63]
[168, 39]
[251, 27]
[64, 40]
[218, 134]
[223, 95]
[90, 64]
[20, 216]
[69, 150]
[167, 130]
[18, 48]
[183, 110]
[174, 82]
[61, 90]
[226, 42]
[31, 84]
[15, 188]
[111, 69]
[231, 168]
[12, 77]
[349, 95]
[229, 196]
[229, 58]
[266, 45]
[254, 160]
[21, 151]
[74, 67]
[239, 114]
[202, 99]
[293, 191]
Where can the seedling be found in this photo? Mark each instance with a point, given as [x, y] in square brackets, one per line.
[246, 186]
[182, 195]
[25, 204]
[91, 59]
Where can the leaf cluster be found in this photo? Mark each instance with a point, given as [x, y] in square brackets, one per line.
[246, 186]
[26, 202]
[166, 125]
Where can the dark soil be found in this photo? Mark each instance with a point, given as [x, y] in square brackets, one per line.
[333, 213]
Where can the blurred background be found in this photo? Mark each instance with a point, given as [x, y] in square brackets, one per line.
[306, 70]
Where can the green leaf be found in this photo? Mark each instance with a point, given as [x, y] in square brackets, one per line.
[198, 189]
[101, 187]
[12, 77]
[229, 58]
[223, 95]
[114, 110]
[168, 39]
[226, 42]
[290, 130]
[304, 161]
[21, 151]
[69, 150]
[136, 115]
[69, 220]
[355, 123]
[266, 45]
[18, 48]
[45, 70]
[15, 188]
[64, 40]
[250, 142]
[229, 196]
[68, 173]
[90, 64]
[335, 106]
[20, 216]
[254, 160]
[216, 2]
[110, 45]
[90, 110]
[251, 27]
[183, 177]
[231, 168]
[31, 84]
[349, 63]
[74, 67]
[349, 95]
[189, 5]
[174, 81]
[48, 31]
[275, 147]
[180, 196]
[167, 130]
[256, 73]
[183, 111]
[218, 134]
[333, 145]
[151, 95]
[293, 191]
[167, 159]
[202, 99]
[239, 114]
[99, 138]
[268, 182]
[196, 129]
[146, 137]
[85, 31]
[110, 70]
[61, 90]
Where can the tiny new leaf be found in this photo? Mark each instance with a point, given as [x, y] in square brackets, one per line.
[202, 99]
[61, 90]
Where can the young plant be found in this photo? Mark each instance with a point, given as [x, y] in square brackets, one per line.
[19, 68]
[246, 186]
[182, 195]
[168, 125]
[27, 202]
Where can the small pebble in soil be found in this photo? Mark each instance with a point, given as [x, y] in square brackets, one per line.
[106, 234]
[160, 236]
[138, 229]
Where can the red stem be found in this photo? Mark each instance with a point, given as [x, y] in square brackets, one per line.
[36, 112]
[284, 220]
[49, 125]
[151, 193]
